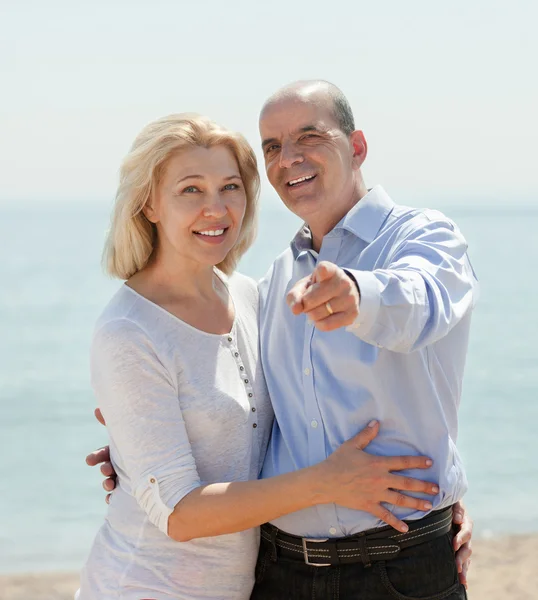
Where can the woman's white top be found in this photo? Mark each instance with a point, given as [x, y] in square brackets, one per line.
[183, 408]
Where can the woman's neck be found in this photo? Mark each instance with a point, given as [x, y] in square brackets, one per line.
[176, 278]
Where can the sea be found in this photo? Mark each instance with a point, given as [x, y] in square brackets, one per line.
[52, 289]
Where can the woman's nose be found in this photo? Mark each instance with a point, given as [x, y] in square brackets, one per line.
[215, 206]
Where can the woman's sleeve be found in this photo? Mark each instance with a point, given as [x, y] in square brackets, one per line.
[139, 401]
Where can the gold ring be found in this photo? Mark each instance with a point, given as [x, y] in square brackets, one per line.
[329, 308]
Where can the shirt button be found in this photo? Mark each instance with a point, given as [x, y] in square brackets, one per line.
[314, 423]
[253, 409]
[245, 380]
[254, 425]
[236, 354]
[250, 395]
[229, 339]
[152, 480]
[307, 371]
[241, 368]
[332, 531]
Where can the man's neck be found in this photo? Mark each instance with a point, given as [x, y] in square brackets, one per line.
[320, 229]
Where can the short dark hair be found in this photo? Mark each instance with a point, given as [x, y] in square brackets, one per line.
[342, 111]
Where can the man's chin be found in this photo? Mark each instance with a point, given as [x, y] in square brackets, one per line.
[303, 206]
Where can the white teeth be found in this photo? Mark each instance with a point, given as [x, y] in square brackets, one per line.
[211, 232]
[300, 180]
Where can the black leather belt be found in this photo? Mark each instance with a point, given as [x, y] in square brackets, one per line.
[366, 547]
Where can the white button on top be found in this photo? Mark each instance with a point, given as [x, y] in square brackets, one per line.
[332, 531]
[314, 423]
[307, 371]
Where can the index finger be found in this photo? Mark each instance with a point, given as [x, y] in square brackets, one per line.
[294, 297]
[316, 295]
[98, 456]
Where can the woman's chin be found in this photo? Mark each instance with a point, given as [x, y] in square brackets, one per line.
[212, 259]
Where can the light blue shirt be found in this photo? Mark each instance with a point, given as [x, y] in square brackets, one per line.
[401, 362]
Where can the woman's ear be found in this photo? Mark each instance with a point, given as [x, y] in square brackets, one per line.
[149, 210]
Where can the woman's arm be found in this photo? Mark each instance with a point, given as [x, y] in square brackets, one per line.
[140, 405]
[349, 477]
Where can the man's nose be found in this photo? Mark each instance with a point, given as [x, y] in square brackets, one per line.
[289, 156]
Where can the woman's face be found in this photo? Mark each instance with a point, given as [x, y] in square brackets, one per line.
[199, 205]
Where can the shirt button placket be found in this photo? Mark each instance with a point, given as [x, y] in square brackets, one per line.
[316, 445]
[245, 379]
[329, 252]
[316, 432]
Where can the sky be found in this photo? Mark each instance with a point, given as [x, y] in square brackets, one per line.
[444, 92]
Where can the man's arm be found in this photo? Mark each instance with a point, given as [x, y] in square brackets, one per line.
[426, 289]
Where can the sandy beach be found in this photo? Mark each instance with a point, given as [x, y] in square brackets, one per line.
[502, 569]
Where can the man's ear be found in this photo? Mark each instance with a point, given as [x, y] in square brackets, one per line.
[360, 147]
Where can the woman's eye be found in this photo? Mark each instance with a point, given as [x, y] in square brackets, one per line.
[231, 186]
[191, 189]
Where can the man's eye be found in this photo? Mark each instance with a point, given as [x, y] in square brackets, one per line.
[231, 186]
[270, 148]
[309, 135]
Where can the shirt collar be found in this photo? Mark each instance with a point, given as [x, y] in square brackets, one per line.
[364, 220]
[367, 216]
[302, 242]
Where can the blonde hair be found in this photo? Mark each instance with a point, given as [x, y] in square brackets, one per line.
[131, 239]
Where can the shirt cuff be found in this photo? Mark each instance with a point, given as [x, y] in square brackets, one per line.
[369, 303]
[150, 498]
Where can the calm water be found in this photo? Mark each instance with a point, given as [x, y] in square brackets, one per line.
[52, 289]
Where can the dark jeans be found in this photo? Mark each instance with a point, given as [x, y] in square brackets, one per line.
[425, 572]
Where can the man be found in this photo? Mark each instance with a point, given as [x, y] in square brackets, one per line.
[367, 313]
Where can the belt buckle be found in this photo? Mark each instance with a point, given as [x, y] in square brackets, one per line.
[305, 552]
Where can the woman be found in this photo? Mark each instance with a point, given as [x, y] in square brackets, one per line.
[175, 369]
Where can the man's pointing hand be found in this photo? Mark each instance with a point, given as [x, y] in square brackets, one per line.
[328, 297]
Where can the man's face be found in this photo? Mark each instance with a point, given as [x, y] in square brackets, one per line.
[309, 161]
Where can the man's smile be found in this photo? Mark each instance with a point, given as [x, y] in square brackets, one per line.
[300, 181]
